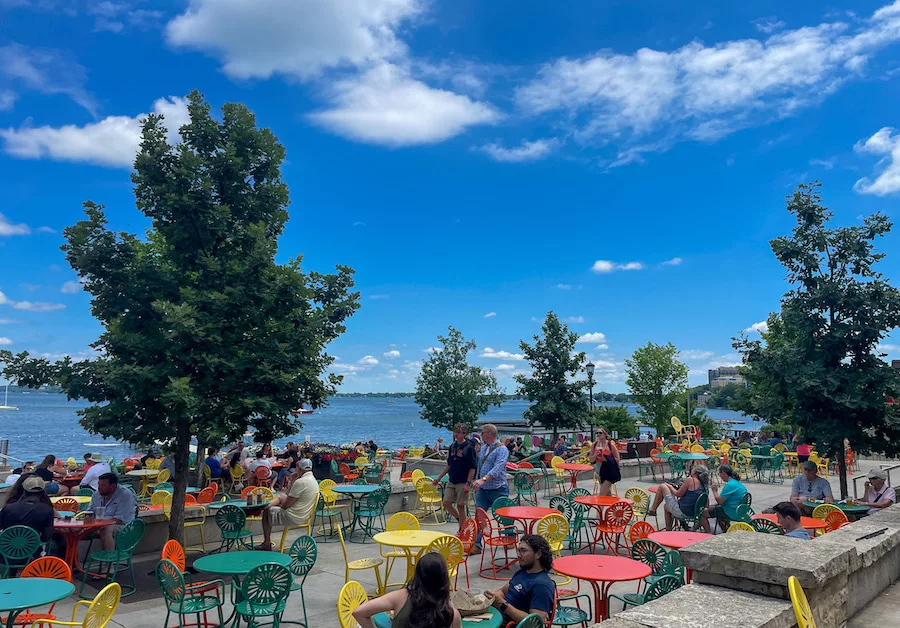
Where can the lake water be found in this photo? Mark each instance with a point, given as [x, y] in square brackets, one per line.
[49, 424]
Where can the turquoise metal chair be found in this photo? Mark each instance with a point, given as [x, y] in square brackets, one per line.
[183, 599]
[264, 593]
[666, 584]
[110, 562]
[303, 553]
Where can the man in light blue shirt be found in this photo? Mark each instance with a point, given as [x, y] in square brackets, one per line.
[788, 516]
[491, 482]
[112, 501]
[808, 485]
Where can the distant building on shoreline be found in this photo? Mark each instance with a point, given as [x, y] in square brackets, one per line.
[725, 375]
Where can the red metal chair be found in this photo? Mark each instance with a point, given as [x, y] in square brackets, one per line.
[611, 528]
[657, 462]
[492, 537]
[468, 533]
[206, 496]
[526, 465]
[263, 476]
[44, 567]
[640, 530]
[349, 476]
[835, 520]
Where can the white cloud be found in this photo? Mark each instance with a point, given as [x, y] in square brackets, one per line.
[886, 143]
[46, 230]
[71, 287]
[29, 306]
[9, 321]
[5, 341]
[697, 354]
[385, 105]
[46, 71]
[593, 337]
[490, 315]
[768, 25]
[266, 37]
[113, 141]
[378, 297]
[675, 261]
[762, 327]
[8, 228]
[505, 368]
[488, 352]
[888, 348]
[564, 286]
[346, 369]
[526, 151]
[603, 266]
[368, 360]
[648, 100]
[8, 99]
[602, 347]
[825, 164]
[392, 354]
[433, 350]
[575, 319]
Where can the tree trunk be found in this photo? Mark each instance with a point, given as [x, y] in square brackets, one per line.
[201, 456]
[182, 452]
[842, 469]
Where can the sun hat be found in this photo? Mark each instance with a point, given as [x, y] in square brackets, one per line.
[96, 458]
[877, 474]
[305, 464]
[33, 484]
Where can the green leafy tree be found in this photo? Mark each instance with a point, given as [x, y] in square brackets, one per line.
[449, 390]
[204, 334]
[557, 397]
[657, 380]
[615, 419]
[818, 366]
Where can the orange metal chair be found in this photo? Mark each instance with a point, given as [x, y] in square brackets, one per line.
[640, 530]
[44, 567]
[173, 552]
[468, 533]
[492, 537]
[612, 527]
[835, 520]
[349, 476]
[206, 496]
[263, 476]
[66, 504]
[526, 465]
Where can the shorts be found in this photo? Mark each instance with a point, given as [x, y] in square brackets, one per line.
[672, 506]
[52, 488]
[281, 515]
[719, 513]
[455, 493]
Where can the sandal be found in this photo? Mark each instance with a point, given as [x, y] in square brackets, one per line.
[264, 547]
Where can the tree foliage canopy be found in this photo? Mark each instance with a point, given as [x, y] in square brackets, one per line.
[204, 334]
[449, 390]
[657, 380]
[818, 365]
[557, 396]
[615, 419]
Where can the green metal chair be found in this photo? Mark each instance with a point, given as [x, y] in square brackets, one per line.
[359, 481]
[231, 520]
[531, 621]
[330, 514]
[113, 560]
[526, 488]
[84, 492]
[562, 505]
[566, 615]
[370, 514]
[744, 512]
[676, 467]
[577, 531]
[264, 593]
[651, 554]
[692, 521]
[775, 466]
[641, 467]
[766, 526]
[548, 480]
[507, 526]
[671, 565]
[18, 546]
[666, 584]
[303, 553]
[165, 486]
[183, 599]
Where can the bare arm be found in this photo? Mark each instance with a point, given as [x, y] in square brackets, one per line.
[388, 602]
[686, 486]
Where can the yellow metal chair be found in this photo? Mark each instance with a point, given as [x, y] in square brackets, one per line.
[559, 478]
[451, 548]
[195, 523]
[641, 506]
[362, 460]
[397, 521]
[236, 475]
[740, 526]
[361, 564]
[99, 610]
[430, 499]
[299, 526]
[151, 463]
[161, 498]
[326, 490]
[823, 510]
[554, 528]
[162, 476]
[802, 611]
[697, 449]
[352, 595]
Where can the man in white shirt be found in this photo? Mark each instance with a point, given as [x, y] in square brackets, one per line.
[93, 474]
[260, 462]
[298, 506]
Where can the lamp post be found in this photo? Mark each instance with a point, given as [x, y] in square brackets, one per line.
[590, 371]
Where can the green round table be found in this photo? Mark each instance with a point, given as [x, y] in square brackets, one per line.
[383, 620]
[238, 563]
[848, 510]
[20, 594]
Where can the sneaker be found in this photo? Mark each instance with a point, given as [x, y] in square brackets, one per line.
[475, 551]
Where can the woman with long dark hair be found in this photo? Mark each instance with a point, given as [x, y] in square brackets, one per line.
[605, 457]
[46, 470]
[423, 603]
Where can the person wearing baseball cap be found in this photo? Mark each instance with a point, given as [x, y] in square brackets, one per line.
[29, 505]
[297, 506]
[878, 494]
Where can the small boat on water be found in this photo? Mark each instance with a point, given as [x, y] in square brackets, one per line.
[6, 405]
[301, 410]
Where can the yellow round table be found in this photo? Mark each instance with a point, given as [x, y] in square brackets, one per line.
[145, 475]
[81, 499]
[407, 540]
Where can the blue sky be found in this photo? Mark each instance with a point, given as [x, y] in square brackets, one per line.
[623, 164]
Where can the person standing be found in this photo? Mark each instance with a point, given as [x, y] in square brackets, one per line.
[605, 458]
[461, 464]
[491, 482]
[298, 505]
[111, 501]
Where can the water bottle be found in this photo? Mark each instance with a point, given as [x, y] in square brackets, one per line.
[250, 498]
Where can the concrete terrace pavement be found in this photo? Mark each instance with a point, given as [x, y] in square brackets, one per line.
[327, 577]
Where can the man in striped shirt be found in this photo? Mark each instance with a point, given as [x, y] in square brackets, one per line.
[491, 482]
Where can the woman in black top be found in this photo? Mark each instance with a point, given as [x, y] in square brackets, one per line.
[45, 471]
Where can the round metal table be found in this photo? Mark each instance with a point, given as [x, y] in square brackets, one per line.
[237, 564]
[407, 540]
[527, 514]
[383, 620]
[144, 475]
[854, 510]
[601, 572]
[356, 492]
[73, 530]
[574, 469]
[20, 594]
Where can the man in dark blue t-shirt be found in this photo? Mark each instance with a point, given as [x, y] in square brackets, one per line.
[530, 590]
[461, 463]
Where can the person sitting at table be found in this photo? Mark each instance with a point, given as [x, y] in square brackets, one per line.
[260, 462]
[561, 447]
[112, 501]
[296, 506]
[775, 440]
[788, 516]
[423, 603]
[213, 463]
[29, 505]
[291, 456]
[681, 501]
[877, 495]
[92, 475]
[13, 477]
[168, 462]
[727, 500]
[45, 470]
[531, 590]
[808, 485]
[88, 463]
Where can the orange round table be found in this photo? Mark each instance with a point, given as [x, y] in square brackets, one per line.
[652, 489]
[678, 539]
[574, 468]
[601, 572]
[73, 530]
[808, 523]
[601, 501]
[527, 514]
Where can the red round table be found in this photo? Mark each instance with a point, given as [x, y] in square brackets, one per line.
[653, 489]
[809, 523]
[601, 501]
[527, 514]
[574, 468]
[601, 572]
[70, 481]
[677, 540]
[73, 530]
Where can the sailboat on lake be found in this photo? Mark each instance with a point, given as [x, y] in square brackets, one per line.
[6, 405]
